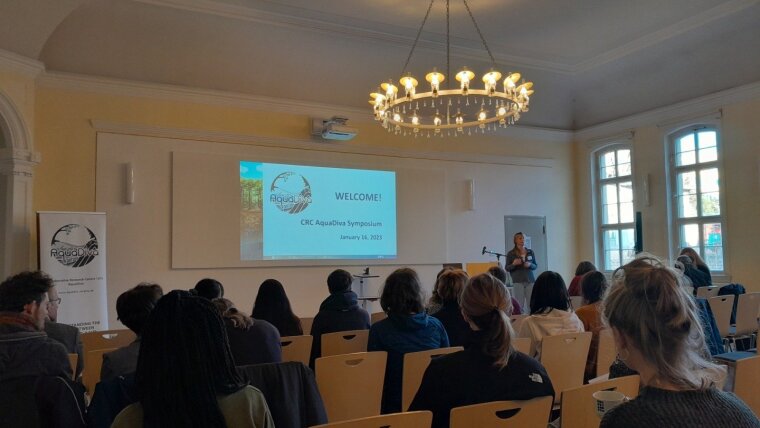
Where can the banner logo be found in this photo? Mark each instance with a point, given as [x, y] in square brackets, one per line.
[74, 245]
[290, 192]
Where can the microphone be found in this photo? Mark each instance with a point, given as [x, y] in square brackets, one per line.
[484, 251]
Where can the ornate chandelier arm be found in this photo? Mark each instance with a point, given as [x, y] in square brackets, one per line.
[416, 39]
[482, 39]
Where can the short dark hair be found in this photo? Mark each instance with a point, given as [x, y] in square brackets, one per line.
[499, 273]
[209, 288]
[22, 289]
[584, 267]
[402, 293]
[549, 292]
[593, 286]
[451, 284]
[339, 281]
[133, 307]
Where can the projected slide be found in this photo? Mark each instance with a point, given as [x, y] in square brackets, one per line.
[308, 212]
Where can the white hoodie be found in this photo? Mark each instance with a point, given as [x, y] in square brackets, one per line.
[550, 323]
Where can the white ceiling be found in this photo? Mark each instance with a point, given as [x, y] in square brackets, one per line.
[591, 60]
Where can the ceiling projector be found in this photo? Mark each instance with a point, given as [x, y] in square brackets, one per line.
[333, 129]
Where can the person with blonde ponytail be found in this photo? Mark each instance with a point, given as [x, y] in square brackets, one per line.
[489, 369]
[658, 334]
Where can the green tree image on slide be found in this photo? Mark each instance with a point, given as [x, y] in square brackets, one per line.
[251, 214]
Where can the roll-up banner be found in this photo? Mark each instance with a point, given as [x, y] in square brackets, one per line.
[73, 252]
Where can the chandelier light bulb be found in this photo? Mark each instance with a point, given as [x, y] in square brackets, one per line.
[415, 119]
[437, 120]
[397, 117]
[502, 111]
[409, 83]
[482, 115]
[435, 78]
[490, 80]
[464, 77]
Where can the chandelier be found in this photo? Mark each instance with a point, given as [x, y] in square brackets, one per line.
[449, 111]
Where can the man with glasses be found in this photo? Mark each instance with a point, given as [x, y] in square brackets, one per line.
[66, 334]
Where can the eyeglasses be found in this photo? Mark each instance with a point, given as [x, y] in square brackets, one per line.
[55, 301]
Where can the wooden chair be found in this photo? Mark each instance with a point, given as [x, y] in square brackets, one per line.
[377, 316]
[564, 357]
[296, 348]
[605, 352]
[415, 364]
[73, 360]
[576, 301]
[579, 407]
[351, 385]
[747, 308]
[530, 414]
[521, 344]
[707, 292]
[477, 268]
[721, 307]
[422, 419]
[93, 361]
[344, 342]
[746, 385]
[107, 339]
[306, 325]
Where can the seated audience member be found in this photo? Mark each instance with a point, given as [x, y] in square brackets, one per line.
[499, 273]
[272, 305]
[450, 286]
[209, 289]
[693, 276]
[407, 329]
[186, 376]
[67, 335]
[133, 307]
[340, 311]
[251, 341]
[575, 284]
[698, 263]
[593, 287]
[491, 369]
[657, 333]
[434, 304]
[550, 312]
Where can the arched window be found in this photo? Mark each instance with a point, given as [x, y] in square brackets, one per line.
[616, 237]
[697, 196]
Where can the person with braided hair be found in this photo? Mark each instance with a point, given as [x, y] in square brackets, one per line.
[186, 376]
[658, 334]
[489, 369]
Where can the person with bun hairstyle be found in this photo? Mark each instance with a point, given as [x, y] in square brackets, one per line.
[657, 333]
[252, 341]
[490, 369]
[450, 286]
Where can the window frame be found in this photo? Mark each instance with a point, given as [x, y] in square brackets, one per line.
[674, 221]
[598, 186]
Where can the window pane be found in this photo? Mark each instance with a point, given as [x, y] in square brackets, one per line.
[624, 156]
[690, 236]
[607, 162]
[626, 191]
[609, 204]
[706, 139]
[708, 155]
[685, 150]
[712, 234]
[626, 212]
[612, 260]
[610, 214]
[711, 203]
[714, 258]
[627, 239]
[686, 194]
[708, 180]
[624, 169]
[610, 240]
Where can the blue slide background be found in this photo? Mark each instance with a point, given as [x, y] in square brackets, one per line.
[298, 235]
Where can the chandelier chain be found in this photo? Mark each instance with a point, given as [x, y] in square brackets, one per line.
[416, 39]
[448, 46]
[482, 39]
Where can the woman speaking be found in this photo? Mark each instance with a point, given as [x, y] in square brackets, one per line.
[521, 262]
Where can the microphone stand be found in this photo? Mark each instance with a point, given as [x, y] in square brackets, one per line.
[494, 253]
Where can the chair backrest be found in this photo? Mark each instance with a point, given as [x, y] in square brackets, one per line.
[93, 361]
[517, 321]
[351, 385]
[707, 292]
[415, 364]
[721, 307]
[746, 385]
[522, 344]
[296, 348]
[746, 313]
[377, 316]
[605, 352]
[576, 301]
[344, 342]
[306, 324]
[107, 339]
[421, 419]
[579, 407]
[564, 357]
[530, 414]
[73, 359]
[476, 268]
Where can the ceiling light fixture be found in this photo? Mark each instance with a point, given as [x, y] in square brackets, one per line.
[498, 104]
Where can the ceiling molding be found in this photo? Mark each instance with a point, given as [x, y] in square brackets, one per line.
[705, 17]
[674, 112]
[309, 144]
[13, 62]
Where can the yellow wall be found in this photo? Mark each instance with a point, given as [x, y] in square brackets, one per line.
[741, 159]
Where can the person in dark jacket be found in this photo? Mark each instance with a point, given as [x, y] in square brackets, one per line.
[67, 335]
[251, 341]
[491, 369]
[450, 286]
[340, 311]
[407, 329]
[209, 288]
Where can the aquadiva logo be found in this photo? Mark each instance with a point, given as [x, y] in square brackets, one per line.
[290, 192]
[74, 245]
